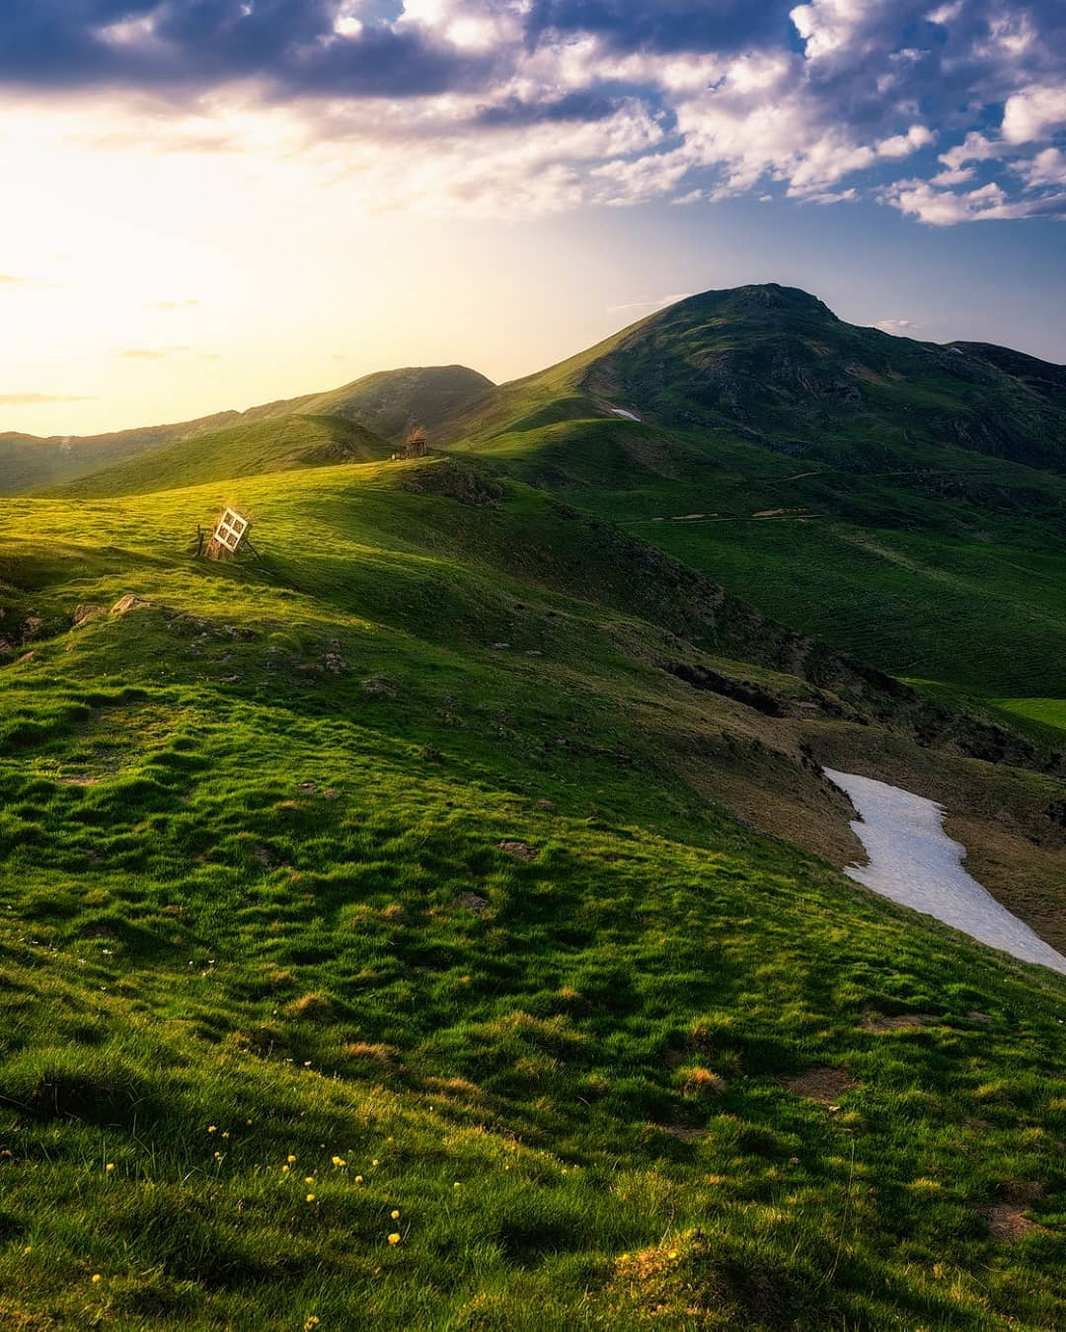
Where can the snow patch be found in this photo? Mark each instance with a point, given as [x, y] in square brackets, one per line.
[621, 411]
[913, 861]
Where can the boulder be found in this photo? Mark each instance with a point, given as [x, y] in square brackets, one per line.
[128, 603]
[85, 612]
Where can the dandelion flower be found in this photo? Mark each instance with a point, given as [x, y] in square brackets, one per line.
[109, 1167]
[394, 1238]
[212, 1128]
[97, 1278]
[359, 1179]
[226, 1134]
[395, 1214]
[309, 1179]
[310, 1197]
[339, 1161]
[672, 1253]
[375, 1162]
[284, 1169]
[312, 1322]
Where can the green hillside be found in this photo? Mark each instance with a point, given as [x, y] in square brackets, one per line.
[386, 403]
[903, 500]
[248, 449]
[436, 921]
[400, 872]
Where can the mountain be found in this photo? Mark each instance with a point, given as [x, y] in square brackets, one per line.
[776, 365]
[903, 500]
[436, 919]
[386, 403]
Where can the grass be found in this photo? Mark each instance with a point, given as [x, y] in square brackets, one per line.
[396, 848]
[248, 449]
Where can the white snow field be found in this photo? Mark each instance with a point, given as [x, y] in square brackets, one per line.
[628, 416]
[914, 861]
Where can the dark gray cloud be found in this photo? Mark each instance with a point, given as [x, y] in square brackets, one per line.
[667, 25]
[290, 44]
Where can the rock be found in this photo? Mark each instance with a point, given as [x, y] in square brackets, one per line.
[84, 613]
[546, 804]
[473, 902]
[128, 603]
[519, 850]
[331, 793]
[31, 627]
[380, 686]
[499, 647]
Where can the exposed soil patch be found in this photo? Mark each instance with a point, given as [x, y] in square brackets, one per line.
[1007, 1222]
[825, 1084]
[900, 1022]
[519, 850]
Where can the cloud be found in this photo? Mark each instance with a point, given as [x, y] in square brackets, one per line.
[1028, 115]
[164, 353]
[657, 303]
[36, 399]
[527, 106]
[898, 327]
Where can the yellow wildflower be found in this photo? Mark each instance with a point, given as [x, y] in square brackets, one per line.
[97, 1278]
[109, 1167]
[284, 1169]
[374, 1162]
[395, 1214]
[339, 1161]
[212, 1128]
[394, 1238]
[309, 1179]
[312, 1322]
[310, 1197]
[291, 1160]
[359, 1179]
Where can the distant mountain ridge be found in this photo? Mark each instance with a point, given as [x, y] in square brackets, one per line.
[777, 366]
[385, 403]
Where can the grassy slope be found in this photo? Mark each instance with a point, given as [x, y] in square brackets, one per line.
[236, 829]
[386, 403]
[248, 449]
[904, 520]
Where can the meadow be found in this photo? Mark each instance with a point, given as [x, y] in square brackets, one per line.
[374, 957]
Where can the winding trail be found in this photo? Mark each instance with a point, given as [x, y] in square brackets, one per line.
[913, 861]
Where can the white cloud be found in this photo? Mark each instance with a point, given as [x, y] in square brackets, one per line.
[1047, 168]
[902, 145]
[897, 327]
[1027, 115]
[988, 203]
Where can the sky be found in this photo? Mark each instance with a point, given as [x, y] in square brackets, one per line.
[213, 203]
